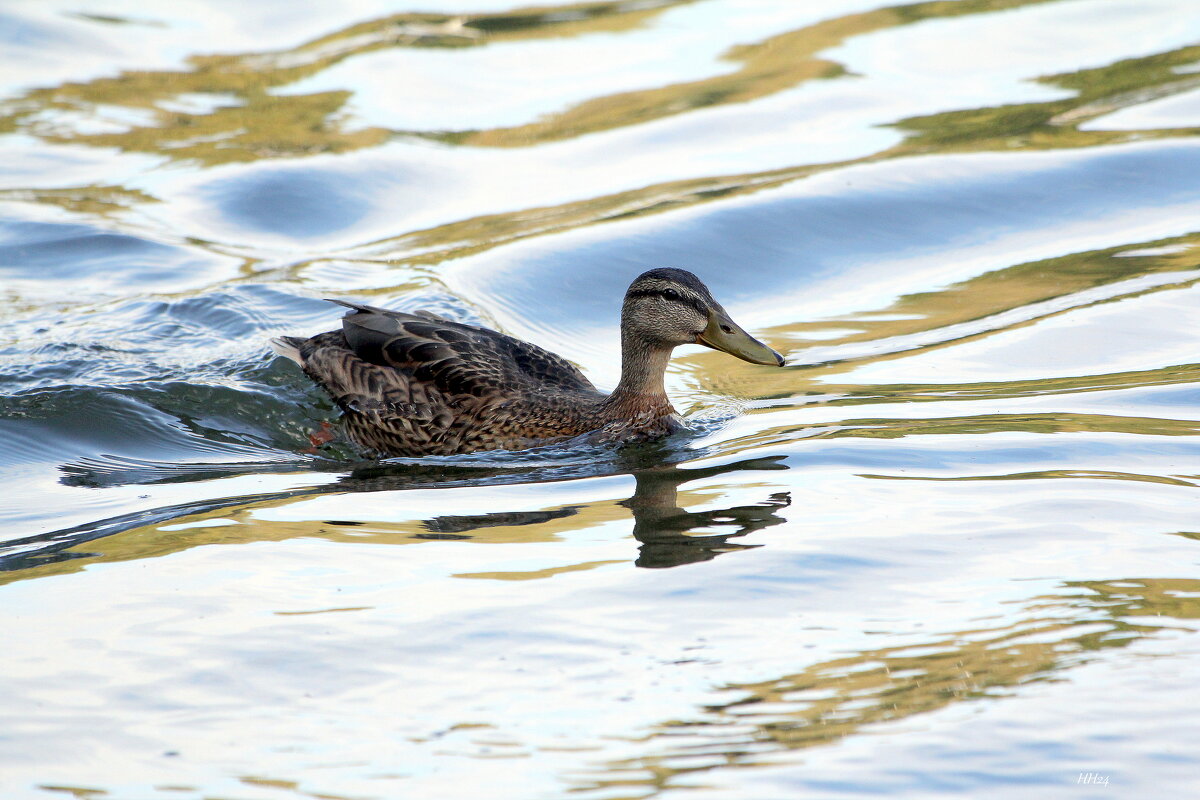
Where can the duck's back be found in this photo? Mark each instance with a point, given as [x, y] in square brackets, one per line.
[414, 384]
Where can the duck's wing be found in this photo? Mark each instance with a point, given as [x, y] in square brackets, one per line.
[456, 358]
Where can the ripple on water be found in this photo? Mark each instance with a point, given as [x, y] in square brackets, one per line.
[84, 260]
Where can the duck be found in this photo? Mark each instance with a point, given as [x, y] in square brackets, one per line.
[417, 384]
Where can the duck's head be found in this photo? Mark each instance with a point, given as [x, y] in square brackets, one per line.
[669, 307]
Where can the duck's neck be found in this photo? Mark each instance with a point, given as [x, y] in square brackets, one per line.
[641, 388]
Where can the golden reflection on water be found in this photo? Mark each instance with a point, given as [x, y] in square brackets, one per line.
[1057, 422]
[668, 534]
[833, 699]
[1020, 286]
[1025, 127]
[249, 121]
[995, 302]
[1070, 474]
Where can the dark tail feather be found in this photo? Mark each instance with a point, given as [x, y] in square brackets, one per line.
[361, 307]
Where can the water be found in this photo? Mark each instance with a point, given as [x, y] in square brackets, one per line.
[951, 550]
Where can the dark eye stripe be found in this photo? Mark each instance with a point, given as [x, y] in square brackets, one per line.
[674, 297]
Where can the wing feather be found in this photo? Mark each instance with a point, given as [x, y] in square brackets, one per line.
[419, 384]
[455, 357]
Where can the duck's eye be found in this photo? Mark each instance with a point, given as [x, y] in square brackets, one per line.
[670, 294]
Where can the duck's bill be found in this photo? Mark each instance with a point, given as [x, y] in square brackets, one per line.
[722, 333]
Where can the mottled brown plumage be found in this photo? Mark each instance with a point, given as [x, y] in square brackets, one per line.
[418, 384]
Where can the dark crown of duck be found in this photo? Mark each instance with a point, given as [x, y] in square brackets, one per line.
[418, 384]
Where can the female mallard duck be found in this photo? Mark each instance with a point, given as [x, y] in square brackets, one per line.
[417, 384]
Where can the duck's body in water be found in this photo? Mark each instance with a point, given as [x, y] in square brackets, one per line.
[417, 384]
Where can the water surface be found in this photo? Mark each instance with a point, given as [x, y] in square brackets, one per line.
[950, 550]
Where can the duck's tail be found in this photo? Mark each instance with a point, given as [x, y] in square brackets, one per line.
[288, 347]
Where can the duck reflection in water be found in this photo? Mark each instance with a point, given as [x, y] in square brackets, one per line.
[659, 523]
[664, 529]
